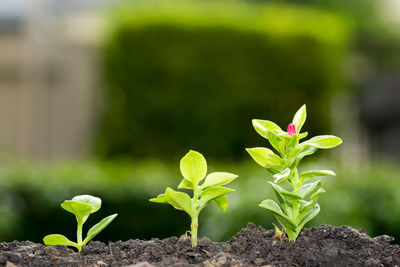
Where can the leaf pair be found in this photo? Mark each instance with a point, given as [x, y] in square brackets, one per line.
[81, 206]
[193, 167]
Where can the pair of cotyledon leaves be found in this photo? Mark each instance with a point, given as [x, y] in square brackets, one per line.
[193, 167]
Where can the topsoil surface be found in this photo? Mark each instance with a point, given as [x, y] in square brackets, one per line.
[252, 246]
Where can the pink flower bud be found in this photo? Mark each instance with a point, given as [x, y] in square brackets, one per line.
[291, 129]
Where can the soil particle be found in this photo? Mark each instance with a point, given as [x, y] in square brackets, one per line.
[252, 246]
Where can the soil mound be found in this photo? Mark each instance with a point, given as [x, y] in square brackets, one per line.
[252, 246]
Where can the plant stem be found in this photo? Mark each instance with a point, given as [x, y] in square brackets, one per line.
[296, 187]
[79, 235]
[193, 231]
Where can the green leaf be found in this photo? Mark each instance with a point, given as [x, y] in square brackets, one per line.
[305, 189]
[221, 202]
[313, 173]
[299, 118]
[79, 209]
[218, 178]
[263, 126]
[282, 176]
[313, 199]
[323, 141]
[276, 141]
[55, 240]
[185, 184]
[265, 157]
[193, 167]
[287, 196]
[97, 228]
[306, 151]
[303, 135]
[92, 201]
[159, 199]
[308, 217]
[212, 193]
[271, 205]
[179, 200]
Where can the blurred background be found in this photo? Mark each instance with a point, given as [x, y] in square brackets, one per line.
[104, 97]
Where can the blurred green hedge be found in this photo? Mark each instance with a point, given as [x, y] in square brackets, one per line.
[192, 74]
[31, 194]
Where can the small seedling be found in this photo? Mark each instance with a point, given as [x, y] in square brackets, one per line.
[194, 169]
[294, 210]
[81, 206]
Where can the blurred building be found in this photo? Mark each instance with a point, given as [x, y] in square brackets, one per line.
[48, 77]
[49, 82]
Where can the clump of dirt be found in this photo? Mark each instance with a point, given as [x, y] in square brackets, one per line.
[252, 246]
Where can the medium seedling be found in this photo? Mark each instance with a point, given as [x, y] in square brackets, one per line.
[194, 169]
[294, 210]
[81, 206]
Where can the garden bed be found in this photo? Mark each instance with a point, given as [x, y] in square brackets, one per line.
[252, 246]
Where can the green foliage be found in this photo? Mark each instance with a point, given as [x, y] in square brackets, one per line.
[293, 210]
[81, 206]
[30, 194]
[194, 169]
[219, 65]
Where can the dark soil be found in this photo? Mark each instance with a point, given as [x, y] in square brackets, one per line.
[252, 246]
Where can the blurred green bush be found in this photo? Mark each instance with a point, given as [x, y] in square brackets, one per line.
[192, 74]
[31, 194]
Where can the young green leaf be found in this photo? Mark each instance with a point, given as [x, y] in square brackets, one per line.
[306, 189]
[288, 196]
[185, 184]
[265, 157]
[179, 200]
[193, 167]
[323, 141]
[310, 215]
[213, 193]
[262, 127]
[92, 201]
[299, 118]
[271, 205]
[58, 240]
[314, 173]
[218, 178]
[97, 228]
[282, 176]
[80, 210]
[221, 202]
[159, 199]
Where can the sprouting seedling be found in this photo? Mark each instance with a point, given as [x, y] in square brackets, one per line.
[194, 169]
[81, 206]
[295, 210]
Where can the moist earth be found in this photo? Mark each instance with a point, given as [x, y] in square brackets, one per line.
[252, 246]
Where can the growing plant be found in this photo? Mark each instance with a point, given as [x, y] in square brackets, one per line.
[194, 169]
[294, 210]
[81, 206]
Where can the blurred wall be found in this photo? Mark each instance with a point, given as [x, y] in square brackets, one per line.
[48, 81]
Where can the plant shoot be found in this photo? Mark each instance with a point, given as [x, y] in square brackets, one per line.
[81, 206]
[294, 209]
[194, 169]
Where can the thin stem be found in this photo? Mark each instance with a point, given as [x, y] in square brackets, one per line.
[193, 231]
[195, 221]
[296, 188]
[79, 234]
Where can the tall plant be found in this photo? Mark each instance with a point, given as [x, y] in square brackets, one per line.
[295, 208]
